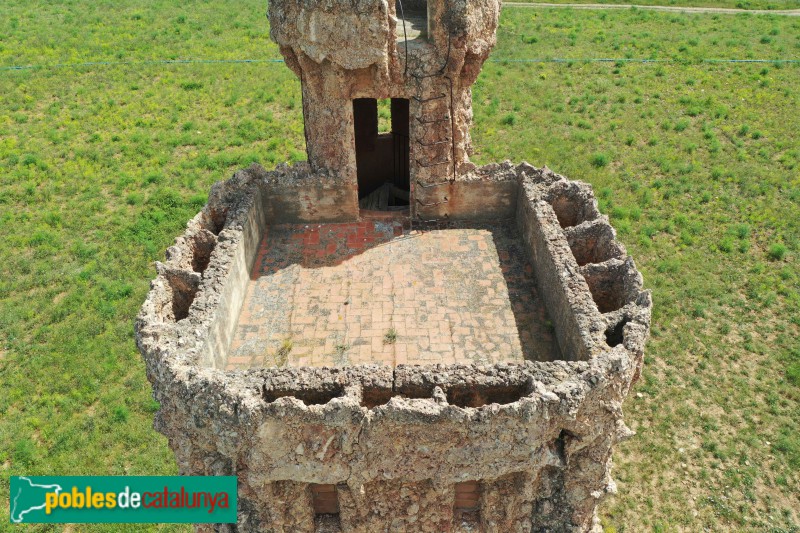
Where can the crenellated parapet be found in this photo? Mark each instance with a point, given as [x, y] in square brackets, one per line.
[516, 444]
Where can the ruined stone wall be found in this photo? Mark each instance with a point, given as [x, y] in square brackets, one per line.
[342, 52]
[536, 437]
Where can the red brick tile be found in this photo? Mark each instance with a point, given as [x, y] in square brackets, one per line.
[445, 292]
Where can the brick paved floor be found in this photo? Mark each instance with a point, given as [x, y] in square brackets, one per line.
[376, 292]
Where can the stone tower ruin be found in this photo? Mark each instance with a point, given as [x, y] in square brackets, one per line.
[423, 56]
[387, 338]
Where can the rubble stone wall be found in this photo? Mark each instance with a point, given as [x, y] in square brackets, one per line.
[536, 437]
[341, 51]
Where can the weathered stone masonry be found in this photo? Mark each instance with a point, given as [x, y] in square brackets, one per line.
[512, 446]
[536, 436]
[343, 51]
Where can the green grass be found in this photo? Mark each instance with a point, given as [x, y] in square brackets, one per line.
[642, 34]
[729, 4]
[390, 337]
[100, 167]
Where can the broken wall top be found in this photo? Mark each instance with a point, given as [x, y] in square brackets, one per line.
[357, 35]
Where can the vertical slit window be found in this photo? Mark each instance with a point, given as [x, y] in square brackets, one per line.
[466, 507]
[325, 499]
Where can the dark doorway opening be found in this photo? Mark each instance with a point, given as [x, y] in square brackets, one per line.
[382, 156]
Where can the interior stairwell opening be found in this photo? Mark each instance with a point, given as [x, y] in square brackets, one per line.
[413, 22]
[382, 153]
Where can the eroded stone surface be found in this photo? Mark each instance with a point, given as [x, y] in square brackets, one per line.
[535, 436]
[341, 52]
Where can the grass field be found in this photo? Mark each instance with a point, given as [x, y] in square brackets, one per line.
[697, 164]
[727, 4]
